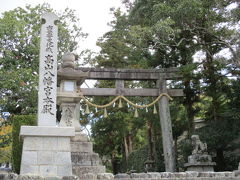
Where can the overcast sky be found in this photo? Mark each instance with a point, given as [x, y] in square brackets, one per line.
[94, 14]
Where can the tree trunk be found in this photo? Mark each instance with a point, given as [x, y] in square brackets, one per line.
[115, 165]
[150, 141]
[126, 152]
[130, 146]
[176, 153]
[220, 161]
[189, 106]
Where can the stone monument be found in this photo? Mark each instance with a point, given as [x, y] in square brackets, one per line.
[84, 160]
[46, 147]
[199, 160]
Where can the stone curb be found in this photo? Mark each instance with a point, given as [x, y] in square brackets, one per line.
[189, 175]
[179, 175]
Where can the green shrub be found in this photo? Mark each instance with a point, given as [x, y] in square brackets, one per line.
[136, 160]
[18, 121]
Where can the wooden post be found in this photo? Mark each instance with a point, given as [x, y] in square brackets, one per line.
[119, 84]
[166, 126]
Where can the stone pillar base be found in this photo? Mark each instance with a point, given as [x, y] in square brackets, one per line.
[200, 163]
[84, 161]
[201, 167]
[46, 150]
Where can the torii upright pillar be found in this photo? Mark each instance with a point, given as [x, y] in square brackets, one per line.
[166, 127]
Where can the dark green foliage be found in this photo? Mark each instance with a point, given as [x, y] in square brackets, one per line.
[18, 121]
[223, 136]
[222, 139]
[159, 161]
[184, 150]
[136, 160]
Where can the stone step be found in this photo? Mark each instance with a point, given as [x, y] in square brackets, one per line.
[81, 170]
[82, 147]
[79, 137]
[85, 159]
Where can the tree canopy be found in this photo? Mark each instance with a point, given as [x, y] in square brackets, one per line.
[19, 53]
[200, 37]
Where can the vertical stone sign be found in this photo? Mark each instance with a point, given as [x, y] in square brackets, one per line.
[46, 148]
[48, 71]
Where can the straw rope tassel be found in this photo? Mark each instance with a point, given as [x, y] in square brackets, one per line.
[154, 109]
[105, 113]
[120, 103]
[87, 110]
[136, 113]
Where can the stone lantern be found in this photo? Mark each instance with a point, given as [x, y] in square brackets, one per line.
[68, 95]
[84, 160]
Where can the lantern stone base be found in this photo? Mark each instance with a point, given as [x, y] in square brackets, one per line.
[46, 150]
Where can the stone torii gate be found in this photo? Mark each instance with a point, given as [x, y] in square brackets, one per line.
[158, 75]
